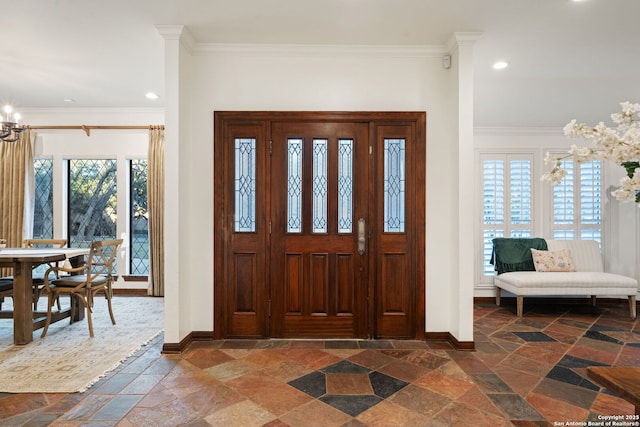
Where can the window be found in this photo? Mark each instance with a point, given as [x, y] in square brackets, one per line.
[320, 185]
[92, 194]
[507, 205]
[245, 185]
[43, 204]
[345, 185]
[574, 210]
[577, 206]
[294, 185]
[43, 208]
[92, 210]
[139, 219]
[394, 185]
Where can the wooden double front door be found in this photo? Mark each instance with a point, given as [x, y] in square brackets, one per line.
[319, 225]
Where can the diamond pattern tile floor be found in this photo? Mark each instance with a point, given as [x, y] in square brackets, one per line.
[349, 387]
[528, 371]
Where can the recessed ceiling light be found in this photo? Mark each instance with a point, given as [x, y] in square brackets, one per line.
[69, 100]
[500, 65]
[151, 95]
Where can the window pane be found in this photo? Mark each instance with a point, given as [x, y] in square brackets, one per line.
[591, 234]
[577, 201]
[294, 186]
[563, 197]
[563, 234]
[590, 192]
[139, 233]
[493, 191]
[507, 209]
[520, 188]
[43, 209]
[487, 250]
[521, 233]
[319, 186]
[245, 185]
[394, 181]
[92, 201]
[345, 185]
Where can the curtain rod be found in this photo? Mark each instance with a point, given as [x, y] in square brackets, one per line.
[87, 129]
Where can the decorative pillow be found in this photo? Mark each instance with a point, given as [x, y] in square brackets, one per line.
[553, 260]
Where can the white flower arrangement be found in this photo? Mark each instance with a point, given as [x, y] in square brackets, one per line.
[620, 145]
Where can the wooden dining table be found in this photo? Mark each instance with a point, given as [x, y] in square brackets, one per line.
[23, 260]
[623, 381]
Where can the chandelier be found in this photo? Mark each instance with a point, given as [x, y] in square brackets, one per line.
[10, 130]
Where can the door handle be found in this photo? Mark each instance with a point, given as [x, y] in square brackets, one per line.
[362, 240]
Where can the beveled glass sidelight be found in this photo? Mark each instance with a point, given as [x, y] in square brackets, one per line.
[320, 152]
[394, 185]
[294, 185]
[345, 185]
[245, 185]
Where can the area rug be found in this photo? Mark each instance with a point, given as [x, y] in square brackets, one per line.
[67, 360]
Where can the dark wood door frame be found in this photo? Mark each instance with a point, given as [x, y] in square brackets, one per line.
[256, 317]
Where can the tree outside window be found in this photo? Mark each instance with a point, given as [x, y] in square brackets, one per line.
[92, 211]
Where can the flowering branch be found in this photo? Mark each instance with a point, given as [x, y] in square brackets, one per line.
[620, 145]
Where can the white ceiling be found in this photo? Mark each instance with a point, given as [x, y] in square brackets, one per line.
[567, 59]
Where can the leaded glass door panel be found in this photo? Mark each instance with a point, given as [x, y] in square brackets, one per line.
[319, 192]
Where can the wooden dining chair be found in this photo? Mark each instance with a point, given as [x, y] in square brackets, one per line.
[44, 243]
[38, 279]
[6, 289]
[85, 281]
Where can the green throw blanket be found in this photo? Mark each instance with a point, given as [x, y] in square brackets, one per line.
[514, 254]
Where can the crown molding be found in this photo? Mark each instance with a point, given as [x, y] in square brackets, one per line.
[172, 32]
[460, 38]
[320, 50]
[177, 32]
[519, 131]
[93, 110]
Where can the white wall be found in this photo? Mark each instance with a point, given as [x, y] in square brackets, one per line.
[308, 78]
[204, 79]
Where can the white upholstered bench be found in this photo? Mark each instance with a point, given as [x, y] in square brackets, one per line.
[589, 279]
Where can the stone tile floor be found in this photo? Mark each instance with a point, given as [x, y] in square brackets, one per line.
[525, 372]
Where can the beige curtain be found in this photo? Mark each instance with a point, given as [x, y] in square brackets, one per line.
[155, 200]
[16, 182]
